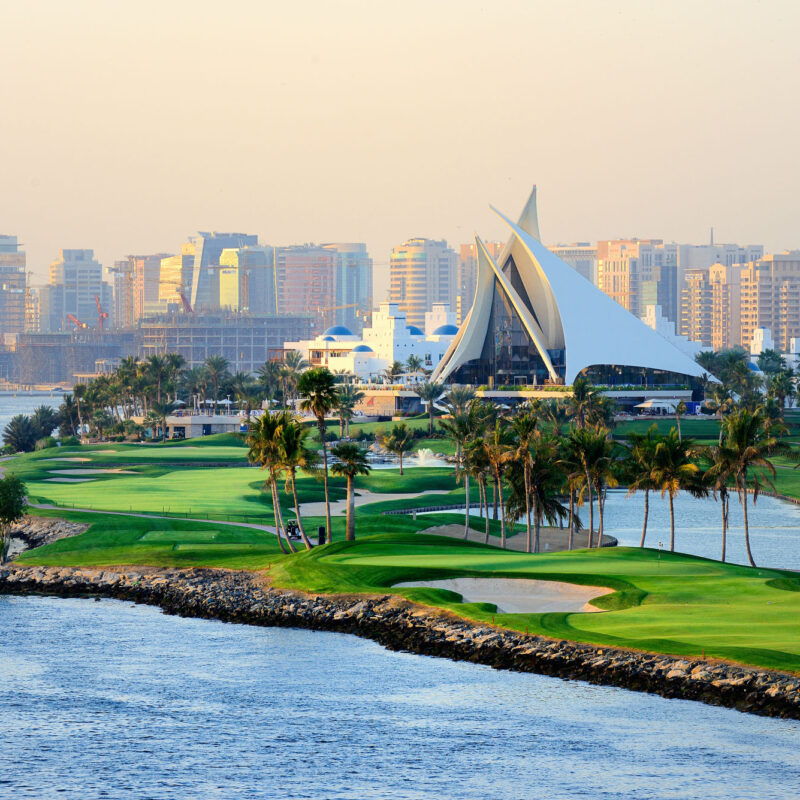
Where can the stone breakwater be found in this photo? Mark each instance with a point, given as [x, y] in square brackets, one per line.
[245, 597]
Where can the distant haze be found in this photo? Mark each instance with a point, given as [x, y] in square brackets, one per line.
[127, 127]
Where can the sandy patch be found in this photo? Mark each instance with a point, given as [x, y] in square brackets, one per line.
[79, 460]
[363, 497]
[520, 595]
[68, 480]
[104, 452]
[91, 472]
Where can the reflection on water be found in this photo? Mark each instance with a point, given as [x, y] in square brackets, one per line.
[105, 699]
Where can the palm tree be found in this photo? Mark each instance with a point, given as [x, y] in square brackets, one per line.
[175, 362]
[556, 413]
[750, 442]
[477, 466]
[269, 376]
[640, 465]
[263, 439]
[413, 364]
[318, 389]
[680, 409]
[720, 475]
[462, 426]
[721, 403]
[351, 461]
[347, 398]
[20, 434]
[157, 417]
[399, 440]
[429, 392]
[217, 369]
[294, 454]
[524, 427]
[289, 373]
[79, 392]
[585, 403]
[571, 463]
[498, 445]
[395, 370]
[781, 386]
[459, 399]
[158, 373]
[673, 471]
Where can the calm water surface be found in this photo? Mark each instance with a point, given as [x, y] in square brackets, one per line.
[105, 699]
[10, 405]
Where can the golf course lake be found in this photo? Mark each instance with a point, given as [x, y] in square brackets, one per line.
[107, 699]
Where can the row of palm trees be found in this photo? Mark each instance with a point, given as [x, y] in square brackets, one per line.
[539, 471]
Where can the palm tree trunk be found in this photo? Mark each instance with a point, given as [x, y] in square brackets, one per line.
[743, 498]
[671, 524]
[280, 520]
[678, 420]
[646, 512]
[571, 517]
[536, 524]
[275, 514]
[466, 506]
[601, 507]
[485, 506]
[527, 482]
[350, 536]
[499, 486]
[297, 513]
[401, 463]
[328, 528]
[591, 510]
[430, 418]
[724, 502]
[494, 497]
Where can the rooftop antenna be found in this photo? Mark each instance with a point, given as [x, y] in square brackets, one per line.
[712, 235]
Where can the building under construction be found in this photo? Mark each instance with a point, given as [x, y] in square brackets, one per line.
[245, 340]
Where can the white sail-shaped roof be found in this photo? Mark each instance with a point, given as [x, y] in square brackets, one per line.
[570, 313]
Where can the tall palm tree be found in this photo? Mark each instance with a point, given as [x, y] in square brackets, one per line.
[295, 454]
[399, 440]
[79, 393]
[175, 362]
[263, 439]
[498, 443]
[347, 398]
[459, 398]
[413, 364]
[318, 390]
[429, 392]
[157, 371]
[525, 430]
[673, 471]
[269, 376]
[721, 403]
[461, 427]
[476, 464]
[570, 461]
[217, 369]
[289, 373]
[749, 442]
[556, 413]
[720, 475]
[640, 464]
[680, 409]
[395, 370]
[351, 461]
[585, 403]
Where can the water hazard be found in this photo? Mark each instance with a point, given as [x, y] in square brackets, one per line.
[106, 699]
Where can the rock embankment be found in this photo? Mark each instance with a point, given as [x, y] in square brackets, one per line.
[30, 532]
[245, 597]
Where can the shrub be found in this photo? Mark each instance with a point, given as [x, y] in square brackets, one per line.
[70, 441]
[45, 443]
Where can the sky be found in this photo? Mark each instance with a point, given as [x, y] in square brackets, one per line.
[125, 127]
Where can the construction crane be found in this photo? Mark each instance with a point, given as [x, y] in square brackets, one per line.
[187, 306]
[323, 311]
[102, 316]
[76, 322]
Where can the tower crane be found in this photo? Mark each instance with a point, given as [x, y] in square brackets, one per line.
[102, 316]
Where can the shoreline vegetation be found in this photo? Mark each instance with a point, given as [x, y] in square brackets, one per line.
[541, 471]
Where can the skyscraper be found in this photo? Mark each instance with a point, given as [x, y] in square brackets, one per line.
[207, 248]
[353, 284]
[136, 287]
[76, 279]
[13, 285]
[247, 280]
[422, 272]
[581, 256]
[467, 275]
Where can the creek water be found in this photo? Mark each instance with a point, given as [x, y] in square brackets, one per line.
[12, 404]
[111, 700]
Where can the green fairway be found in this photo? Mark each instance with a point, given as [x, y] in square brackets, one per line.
[673, 603]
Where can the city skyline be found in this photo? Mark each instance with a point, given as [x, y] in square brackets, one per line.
[320, 148]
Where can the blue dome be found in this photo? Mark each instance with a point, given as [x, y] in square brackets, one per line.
[446, 330]
[414, 330]
[362, 348]
[338, 330]
[328, 339]
[753, 367]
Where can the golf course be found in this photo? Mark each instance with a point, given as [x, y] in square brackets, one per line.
[199, 504]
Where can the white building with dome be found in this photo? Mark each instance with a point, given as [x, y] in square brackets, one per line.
[389, 339]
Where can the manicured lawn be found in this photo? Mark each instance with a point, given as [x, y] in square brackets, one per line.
[113, 539]
[673, 603]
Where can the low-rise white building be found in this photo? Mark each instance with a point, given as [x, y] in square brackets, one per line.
[389, 339]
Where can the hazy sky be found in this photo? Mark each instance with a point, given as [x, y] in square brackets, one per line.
[126, 127]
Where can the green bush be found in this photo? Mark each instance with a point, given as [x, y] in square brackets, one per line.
[70, 441]
[45, 443]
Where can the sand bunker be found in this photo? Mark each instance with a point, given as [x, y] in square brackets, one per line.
[104, 452]
[68, 480]
[520, 595]
[80, 460]
[92, 472]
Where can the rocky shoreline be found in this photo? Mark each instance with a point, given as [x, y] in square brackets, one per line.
[245, 597]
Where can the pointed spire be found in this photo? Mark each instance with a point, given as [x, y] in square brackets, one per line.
[529, 219]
